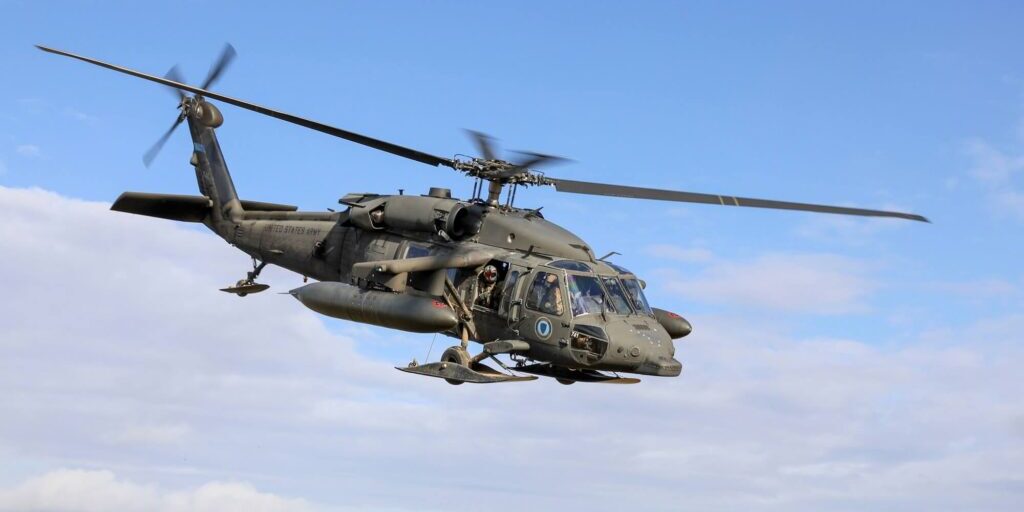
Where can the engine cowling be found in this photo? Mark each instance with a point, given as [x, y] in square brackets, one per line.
[420, 214]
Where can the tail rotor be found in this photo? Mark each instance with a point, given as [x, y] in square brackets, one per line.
[227, 55]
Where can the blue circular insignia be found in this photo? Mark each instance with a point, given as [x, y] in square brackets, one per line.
[543, 328]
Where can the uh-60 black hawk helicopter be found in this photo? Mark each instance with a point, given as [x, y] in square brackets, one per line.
[478, 269]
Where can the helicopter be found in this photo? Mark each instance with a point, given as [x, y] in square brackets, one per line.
[480, 269]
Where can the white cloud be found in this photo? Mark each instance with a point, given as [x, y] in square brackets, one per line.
[804, 283]
[999, 173]
[1009, 201]
[28, 150]
[79, 115]
[39, 106]
[979, 288]
[851, 230]
[68, 490]
[112, 323]
[152, 434]
[992, 165]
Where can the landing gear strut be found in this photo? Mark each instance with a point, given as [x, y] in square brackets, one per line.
[248, 285]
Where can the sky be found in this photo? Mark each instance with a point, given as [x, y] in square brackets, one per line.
[836, 363]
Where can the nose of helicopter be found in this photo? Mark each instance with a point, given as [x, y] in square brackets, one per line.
[642, 345]
[661, 366]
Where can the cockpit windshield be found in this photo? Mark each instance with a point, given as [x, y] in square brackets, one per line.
[588, 296]
[636, 293]
[617, 298]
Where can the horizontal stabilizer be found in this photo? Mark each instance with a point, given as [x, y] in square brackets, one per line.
[181, 207]
[165, 206]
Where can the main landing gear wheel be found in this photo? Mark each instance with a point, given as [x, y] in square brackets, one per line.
[565, 381]
[455, 355]
[240, 284]
[248, 285]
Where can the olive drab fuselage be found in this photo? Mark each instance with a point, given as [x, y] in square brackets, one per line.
[522, 245]
[394, 259]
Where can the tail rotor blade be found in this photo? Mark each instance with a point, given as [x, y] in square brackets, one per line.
[155, 149]
[226, 56]
[174, 75]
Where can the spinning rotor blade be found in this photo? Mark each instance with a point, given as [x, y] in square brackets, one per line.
[531, 159]
[484, 144]
[153, 151]
[388, 147]
[226, 56]
[602, 189]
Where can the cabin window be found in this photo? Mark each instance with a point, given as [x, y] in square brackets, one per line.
[416, 251]
[490, 283]
[546, 294]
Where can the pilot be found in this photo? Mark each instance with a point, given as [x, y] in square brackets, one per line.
[586, 296]
[552, 303]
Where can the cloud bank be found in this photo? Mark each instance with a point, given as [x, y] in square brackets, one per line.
[128, 382]
[101, 491]
[790, 282]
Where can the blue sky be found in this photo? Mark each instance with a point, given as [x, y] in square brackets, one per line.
[900, 105]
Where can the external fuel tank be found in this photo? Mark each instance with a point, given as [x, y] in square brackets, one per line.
[406, 312]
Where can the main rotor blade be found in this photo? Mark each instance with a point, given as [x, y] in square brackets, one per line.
[602, 189]
[226, 56]
[484, 144]
[387, 147]
[155, 149]
[531, 159]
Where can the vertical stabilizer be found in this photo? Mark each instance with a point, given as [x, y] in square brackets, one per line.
[211, 170]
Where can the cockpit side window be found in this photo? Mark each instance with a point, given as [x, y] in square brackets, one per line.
[546, 294]
[636, 293]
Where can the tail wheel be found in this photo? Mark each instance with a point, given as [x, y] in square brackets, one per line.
[455, 355]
